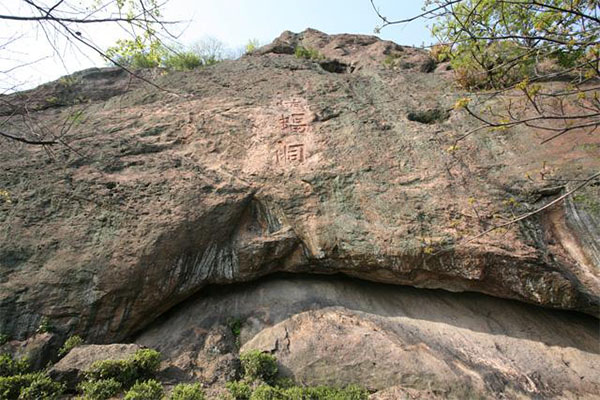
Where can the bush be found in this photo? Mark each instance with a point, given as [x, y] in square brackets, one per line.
[352, 392]
[139, 366]
[308, 54]
[32, 386]
[182, 61]
[99, 390]
[258, 365]
[492, 69]
[147, 390]
[9, 366]
[266, 392]
[42, 387]
[145, 362]
[239, 390]
[70, 343]
[188, 392]
[121, 371]
[45, 325]
[440, 52]
[10, 386]
[252, 45]
[3, 336]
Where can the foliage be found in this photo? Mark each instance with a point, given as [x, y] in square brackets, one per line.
[120, 370]
[140, 52]
[42, 387]
[70, 343]
[44, 326]
[266, 392]
[440, 52]
[10, 386]
[391, 59]
[308, 54]
[188, 392]
[182, 61]
[139, 366]
[252, 45]
[258, 366]
[239, 390]
[146, 362]
[498, 43]
[10, 366]
[146, 390]
[513, 47]
[235, 325]
[3, 336]
[32, 386]
[99, 389]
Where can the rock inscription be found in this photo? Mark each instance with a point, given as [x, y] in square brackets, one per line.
[293, 121]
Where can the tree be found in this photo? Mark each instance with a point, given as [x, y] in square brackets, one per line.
[65, 23]
[540, 58]
[517, 45]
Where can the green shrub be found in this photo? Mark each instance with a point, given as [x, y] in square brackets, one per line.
[239, 390]
[188, 392]
[235, 325]
[45, 325]
[258, 365]
[3, 336]
[284, 383]
[42, 388]
[352, 392]
[9, 366]
[252, 45]
[120, 370]
[32, 386]
[142, 60]
[139, 366]
[99, 390]
[440, 52]
[10, 386]
[308, 54]
[70, 343]
[182, 61]
[146, 362]
[147, 390]
[266, 392]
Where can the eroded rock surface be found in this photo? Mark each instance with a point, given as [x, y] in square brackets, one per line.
[272, 163]
[435, 344]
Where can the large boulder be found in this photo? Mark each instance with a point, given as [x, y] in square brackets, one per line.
[72, 367]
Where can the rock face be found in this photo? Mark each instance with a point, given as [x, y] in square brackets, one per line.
[344, 164]
[334, 331]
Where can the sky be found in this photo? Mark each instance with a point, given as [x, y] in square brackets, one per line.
[234, 22]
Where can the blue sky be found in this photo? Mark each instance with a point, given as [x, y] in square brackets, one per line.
[236, 21]
[233, 22]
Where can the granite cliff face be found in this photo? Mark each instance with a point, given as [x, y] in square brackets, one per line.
[270, 163]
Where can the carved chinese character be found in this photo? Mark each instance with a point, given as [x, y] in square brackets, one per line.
[294, 123]
[292, 103]
[295, 152]
[290, 153]
[285, 122]
[297, 118]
